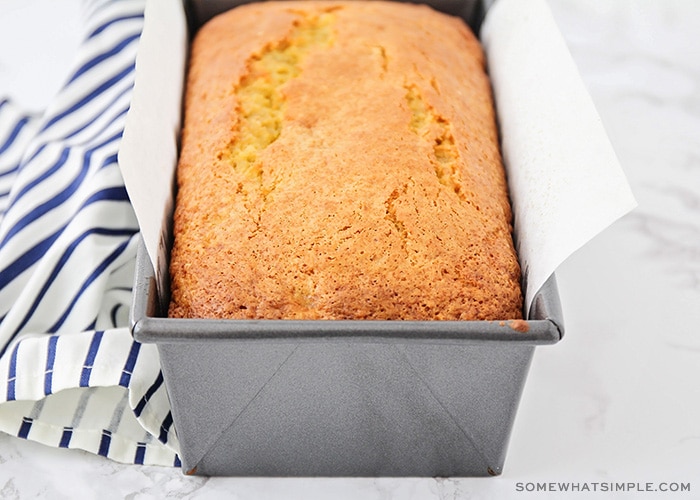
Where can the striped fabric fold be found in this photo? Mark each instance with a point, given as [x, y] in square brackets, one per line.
[71, 375]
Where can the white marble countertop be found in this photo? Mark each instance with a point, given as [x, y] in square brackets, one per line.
[618, 400]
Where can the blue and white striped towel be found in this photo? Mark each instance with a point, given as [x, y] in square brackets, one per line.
[70, 373]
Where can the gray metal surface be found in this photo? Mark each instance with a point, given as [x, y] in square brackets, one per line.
[317, 409]
[355, 398]
[342, 398]
[200, 11]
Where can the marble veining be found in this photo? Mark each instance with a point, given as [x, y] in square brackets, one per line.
[618, 399]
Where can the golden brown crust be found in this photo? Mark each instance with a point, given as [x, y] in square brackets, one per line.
[340, 161]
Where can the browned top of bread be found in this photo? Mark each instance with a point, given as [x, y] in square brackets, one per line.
[341, 161]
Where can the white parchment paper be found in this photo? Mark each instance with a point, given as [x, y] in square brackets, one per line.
[565, 180]
[149, 147]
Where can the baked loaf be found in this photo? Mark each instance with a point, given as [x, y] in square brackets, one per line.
[341, 161]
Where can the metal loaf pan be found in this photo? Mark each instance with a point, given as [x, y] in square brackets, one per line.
[342, 398]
